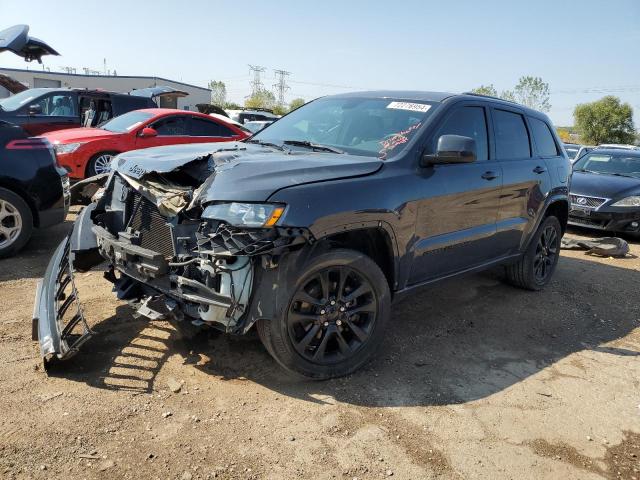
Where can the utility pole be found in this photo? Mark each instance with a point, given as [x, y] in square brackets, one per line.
[281, 86]
[256, 82]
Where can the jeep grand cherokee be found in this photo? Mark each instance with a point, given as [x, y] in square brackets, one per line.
[309, 229]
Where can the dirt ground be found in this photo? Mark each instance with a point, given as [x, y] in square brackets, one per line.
[477, 380]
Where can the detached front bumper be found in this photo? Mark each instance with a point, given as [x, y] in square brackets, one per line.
[58, 320]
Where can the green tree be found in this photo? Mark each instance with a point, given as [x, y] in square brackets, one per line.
[218, 92]
[607, 120]
[531, 92]
[279, 110]
[261, 99]
[296, 103]
[486, 90]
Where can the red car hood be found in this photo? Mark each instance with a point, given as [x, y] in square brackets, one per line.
[73, 135]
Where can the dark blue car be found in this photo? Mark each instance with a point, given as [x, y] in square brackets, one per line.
[605, 191]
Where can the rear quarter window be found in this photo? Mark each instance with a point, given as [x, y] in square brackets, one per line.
[512, 137]
[545, 144]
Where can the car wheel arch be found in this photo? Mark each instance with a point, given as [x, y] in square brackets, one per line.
[555, 205]
[373, 239]
[559, 208]
[95, 155]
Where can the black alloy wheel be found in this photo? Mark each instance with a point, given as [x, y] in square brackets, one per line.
[546, 253]
[332, 315]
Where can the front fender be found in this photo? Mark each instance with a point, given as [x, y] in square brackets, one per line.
[84, 251]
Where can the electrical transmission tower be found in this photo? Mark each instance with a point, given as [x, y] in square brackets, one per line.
[256, 82]
[281, 86]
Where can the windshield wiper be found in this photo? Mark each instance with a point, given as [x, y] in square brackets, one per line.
[266, 144]
[314, 146]
[623, 175]
[583, 170]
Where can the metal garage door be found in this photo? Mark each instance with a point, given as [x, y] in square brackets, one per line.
[46, 83]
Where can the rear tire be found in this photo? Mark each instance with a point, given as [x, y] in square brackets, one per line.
[335, 317]
[16, 223]
[534, 270]
[99, 163]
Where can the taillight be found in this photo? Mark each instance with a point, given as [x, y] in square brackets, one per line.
[28, 144]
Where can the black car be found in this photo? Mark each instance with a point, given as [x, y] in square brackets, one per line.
[41, 110]
[311, 228]
[605, 191]
[34, 190]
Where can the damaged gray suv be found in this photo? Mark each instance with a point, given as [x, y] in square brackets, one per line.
[309, 229]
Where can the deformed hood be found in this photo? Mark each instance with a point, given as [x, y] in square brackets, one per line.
[246, 172]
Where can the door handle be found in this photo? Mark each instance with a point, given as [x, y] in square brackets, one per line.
[490, 175]
[539, 170]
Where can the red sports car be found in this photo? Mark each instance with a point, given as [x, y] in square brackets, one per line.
[85, 152]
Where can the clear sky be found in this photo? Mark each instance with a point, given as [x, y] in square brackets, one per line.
[584, 48]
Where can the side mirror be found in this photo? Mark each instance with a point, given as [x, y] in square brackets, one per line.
[35, 109]
[148, 132]
[451, 149]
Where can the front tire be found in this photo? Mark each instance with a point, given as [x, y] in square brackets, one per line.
[16, 223]
[99, 163]
[335, 319]
[535, 269]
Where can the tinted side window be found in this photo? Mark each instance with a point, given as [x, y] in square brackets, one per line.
[544, 139]
[468, 122]
[171, 126]
[201, 127]
[59, 105]
[512, 138]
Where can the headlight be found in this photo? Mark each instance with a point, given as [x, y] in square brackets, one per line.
[62, 148]
[633, 201]
[245, 214]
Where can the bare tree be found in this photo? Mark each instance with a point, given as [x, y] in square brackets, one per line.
[218, 93]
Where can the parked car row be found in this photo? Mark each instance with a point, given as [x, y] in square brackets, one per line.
[575, 151]
[41, 110]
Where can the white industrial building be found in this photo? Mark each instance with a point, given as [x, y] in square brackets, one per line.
[113, 83]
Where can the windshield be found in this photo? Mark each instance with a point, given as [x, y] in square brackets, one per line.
[612, 164]
[13, 103]
[127, 122]
[373, 127]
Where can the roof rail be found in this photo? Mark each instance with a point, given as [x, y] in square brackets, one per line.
[492, 97]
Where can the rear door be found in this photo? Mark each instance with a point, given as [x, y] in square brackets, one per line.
[526, 178]
[456, 221]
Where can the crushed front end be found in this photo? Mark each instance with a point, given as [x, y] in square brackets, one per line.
[164, 255]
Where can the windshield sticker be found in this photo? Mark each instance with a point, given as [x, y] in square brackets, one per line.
[412, 107]
[395, 139]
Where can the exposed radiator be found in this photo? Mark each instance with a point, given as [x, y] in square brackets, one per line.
[143, 217]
